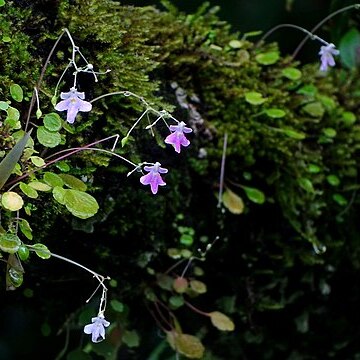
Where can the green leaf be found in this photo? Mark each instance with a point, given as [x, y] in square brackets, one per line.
[9, 243]
[78, 354]
[12, 201]
[53, 179]
[16, 92]
[80, 204]
[14, 278]
[348, 118]
[48, 138]
[293, 134]
[73, 182]
[198, 286]
[236, 44]
[349, 48]
[131, 338]
[7, 165]
[25, 228]
[3, 104]
[13, 115]
[275, 113]
[41, 251]
[63, 166]
[39, 186]
[52, 122]
[124, 141]
[221, 321]
[59, 194]
[176, 301]
[333, 180]
[341, 200]
[187, 345]
[23, 252]
[268, 58]
[28, 191]
[306, 184]
[233, 202]
[2, 2]
[117, 305]
[309, 90]
[254, 195]
[37, 161]
[329, 132]
[291, 73]
[254, 98]
[314, 109]
[313, 169]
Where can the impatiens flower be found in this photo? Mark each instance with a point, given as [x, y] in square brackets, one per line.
[73, 103]
[177, 137]
[153, 178]
[97, 328]
[327, 56]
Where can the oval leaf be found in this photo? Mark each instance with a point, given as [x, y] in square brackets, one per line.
[12, 201]
[28, 191]
[187, 345]
[73, 182]
[80, 204]
[53, 180]
[221, 321]
[16, 92]
[275, 113]
[254, 98]
[233, 202]
[9, 243]
[254, 195]
[41, 251]
[268, 58]
[198, 286]
[48, 138]
[52, 122]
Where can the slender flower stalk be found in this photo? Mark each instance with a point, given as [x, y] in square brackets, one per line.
[222, 171]
[321, 23]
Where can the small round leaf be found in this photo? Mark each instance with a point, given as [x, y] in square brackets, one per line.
[9, 243]
[12, 201]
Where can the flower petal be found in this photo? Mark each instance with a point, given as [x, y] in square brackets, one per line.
[62, 105]
[88, 329]
[84, 105]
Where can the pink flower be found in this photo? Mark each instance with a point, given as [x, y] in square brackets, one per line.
[153, 178]
[73, 103]
[327, 58]
[97, 328]
[177, 137]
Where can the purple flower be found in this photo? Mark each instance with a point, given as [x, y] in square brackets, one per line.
[326, 57]
[97, 328]
[153, 178]
[177, 137]
[73, 103]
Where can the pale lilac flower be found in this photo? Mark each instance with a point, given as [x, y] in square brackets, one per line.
[177, 137]
[153, 178]
[97, 328]
[327, 56]
[73, 103]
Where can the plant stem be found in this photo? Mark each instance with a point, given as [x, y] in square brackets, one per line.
[321, 23]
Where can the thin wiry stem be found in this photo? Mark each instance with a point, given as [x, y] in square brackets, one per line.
[307, 32]
[222, 171]
[321, 23]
